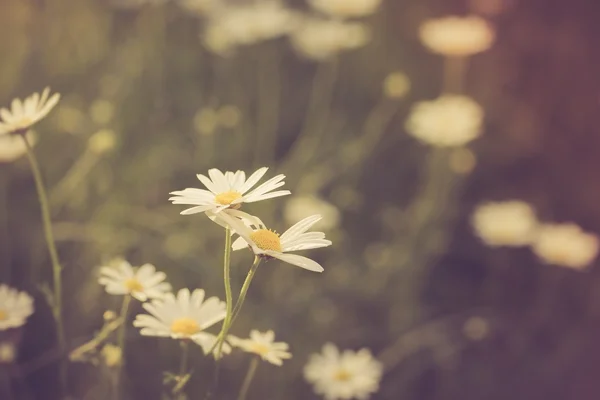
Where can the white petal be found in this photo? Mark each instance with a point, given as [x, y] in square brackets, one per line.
[196, 210]
[261, 197]
[251, 181]
[300, 227]
[219, 180]
[208, 183]
[239, 244]
[299, 261]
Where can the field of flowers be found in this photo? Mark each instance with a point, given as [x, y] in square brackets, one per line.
[299, 199]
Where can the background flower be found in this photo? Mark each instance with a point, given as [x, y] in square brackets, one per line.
[508, 223]
[457, 36]
[566, 245]
[264, 345]
[15, 307]
[142, 283]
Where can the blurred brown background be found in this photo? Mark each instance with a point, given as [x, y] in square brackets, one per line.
[411, 290]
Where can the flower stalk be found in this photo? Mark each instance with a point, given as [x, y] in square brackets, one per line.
[56, 267]
[248, 379]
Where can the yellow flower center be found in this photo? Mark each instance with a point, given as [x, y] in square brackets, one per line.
[133, 285]
[3, 315]
[342, 375]
[260, 349]
[227, 198]
[266, 240]
[185, 326]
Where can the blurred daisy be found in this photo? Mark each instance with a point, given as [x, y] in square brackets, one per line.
[228, 190]
[186, 316]
[264, 345]
[241, 25]
[449, 120]
[142, 283]
[457, 36]
[566, 245]
[507, 223]
[15, 307]
[346, 8]
[12, 147]
[320, 39]
[299, 207]
[24, 114]
[268, 244]
[344, 375]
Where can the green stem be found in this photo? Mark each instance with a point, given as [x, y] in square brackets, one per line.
[56, 268]
[228, 296]
[455, 69]
[121, 341]
[248, 379]
[240, 301]
[245, 286]
[185, 354]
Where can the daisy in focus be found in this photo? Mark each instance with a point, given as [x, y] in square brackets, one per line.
[448, 121]
[457, 36]
[507, 223]
[228, 190]
[320, 39]
[15, 307]
[141, 283]
[268, 244]
[566, 245]
[264, 345]
[22, 115]
[186, 316]
[346, 8]
[346, 375]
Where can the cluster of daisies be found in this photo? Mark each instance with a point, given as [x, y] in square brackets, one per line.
[189, 315]
[514, 223]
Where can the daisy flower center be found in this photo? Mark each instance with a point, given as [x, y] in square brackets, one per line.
[185, 326]
[266, 240]
[133, 285]
[342, 375]
[260, 349]
[3, 315]
[227, 198]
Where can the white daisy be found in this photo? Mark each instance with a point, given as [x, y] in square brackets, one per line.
[344, 375]
[346, 8]
[266, 243]
[24, 114]
[142, 283]
[457, 36]
[183, 317]
[448, 121]
[507, 223]
[566, 245]
[228, 190]
[15, 307]
[264, 345]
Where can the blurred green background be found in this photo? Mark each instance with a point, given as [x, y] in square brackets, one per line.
[405, 277]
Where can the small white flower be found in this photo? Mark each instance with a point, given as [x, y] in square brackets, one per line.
[233, 26]
[344, 375]
[12, 147]
[142, 283]
[186, 316]
[566, 245]
[299, 207]
[15, 307]
[508, 223]
[346, 8]
[320, 39]
[264, 345]
[457, 36]
[266, 243]
[448, 121]
[24, 114]
[228, 190]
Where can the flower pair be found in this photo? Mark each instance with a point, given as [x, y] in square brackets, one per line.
[225, 195]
